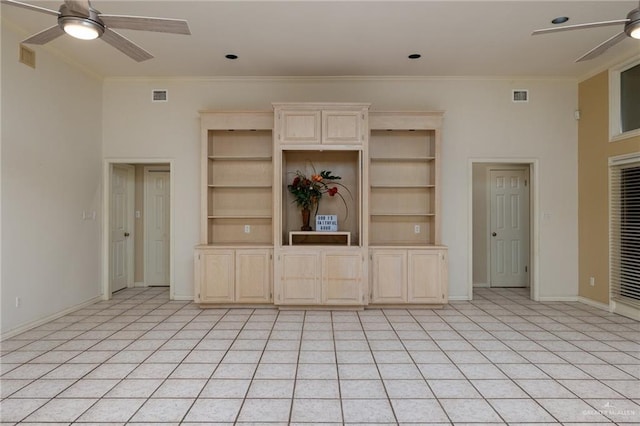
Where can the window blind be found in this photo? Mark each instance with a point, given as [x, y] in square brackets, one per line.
[624, 231]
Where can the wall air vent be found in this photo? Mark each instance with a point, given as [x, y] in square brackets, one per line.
[520, 95]
[27, 56]
[160, 95]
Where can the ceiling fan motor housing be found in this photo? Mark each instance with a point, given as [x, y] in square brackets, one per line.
[92, 20]
[632, 28]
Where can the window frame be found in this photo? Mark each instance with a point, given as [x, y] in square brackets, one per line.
[615, 117]
[619, 303]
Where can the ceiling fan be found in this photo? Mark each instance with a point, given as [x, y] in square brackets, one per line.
[80, 20]
[631, 29]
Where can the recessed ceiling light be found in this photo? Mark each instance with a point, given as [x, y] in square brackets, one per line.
[415, 56]
[231, 56]
[560, 20]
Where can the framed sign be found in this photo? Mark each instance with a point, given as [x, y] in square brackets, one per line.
[326, 223]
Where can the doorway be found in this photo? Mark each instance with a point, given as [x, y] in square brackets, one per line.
[503, 232]
[138, 211]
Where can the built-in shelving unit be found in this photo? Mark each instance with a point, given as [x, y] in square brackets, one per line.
[239, 184]
[318, 268]
[233, 263]
[404, 179]
[408, 266]
[387, 248]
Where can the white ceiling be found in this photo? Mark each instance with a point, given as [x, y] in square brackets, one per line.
[346, 38]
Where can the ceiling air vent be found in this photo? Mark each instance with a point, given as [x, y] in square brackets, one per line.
[27, 56]
[520, 95]
[160, 96]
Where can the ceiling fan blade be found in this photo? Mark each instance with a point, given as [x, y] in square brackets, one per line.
[143, 23]
[598, 50]
[30, 7]
[126, 46]
[80, 6]
[45, 36]
[580, 26]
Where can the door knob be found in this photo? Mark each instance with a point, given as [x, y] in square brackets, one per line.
[126, 234]
[493, 234]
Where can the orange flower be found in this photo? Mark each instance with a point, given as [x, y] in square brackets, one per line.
[307, 192]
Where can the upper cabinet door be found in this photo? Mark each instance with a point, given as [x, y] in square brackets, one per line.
[300, 127]
[322, 124]
[343, 127]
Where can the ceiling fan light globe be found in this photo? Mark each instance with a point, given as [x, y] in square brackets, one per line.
[632, 28]
[80, 28]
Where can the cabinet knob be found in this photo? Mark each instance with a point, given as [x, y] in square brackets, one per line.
[126, 234]
[493, 234]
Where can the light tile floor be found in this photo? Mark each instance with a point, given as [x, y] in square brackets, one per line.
[500, 359]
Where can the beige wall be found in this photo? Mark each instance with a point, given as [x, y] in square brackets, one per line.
[51, 174]
[480, 121]
[594, 150]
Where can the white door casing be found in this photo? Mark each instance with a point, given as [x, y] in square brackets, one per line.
[509, 228]
[120, 227]
[157, 226]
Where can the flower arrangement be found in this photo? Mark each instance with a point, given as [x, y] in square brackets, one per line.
[307, 192]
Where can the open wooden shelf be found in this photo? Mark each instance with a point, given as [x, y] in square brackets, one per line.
[237, 179]
[403, 175]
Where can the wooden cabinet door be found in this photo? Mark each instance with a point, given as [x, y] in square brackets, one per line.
[299, 280]
[342, 278]
[343, 127]
[389, 276]
[426, 276]
[253, 276]
[299, 127]
[216, 276]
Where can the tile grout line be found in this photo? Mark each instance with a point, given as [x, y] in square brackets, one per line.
[393, 411]
[335, 354]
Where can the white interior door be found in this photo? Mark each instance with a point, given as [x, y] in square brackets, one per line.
[509, 228]
[121, 262]
[157, 232]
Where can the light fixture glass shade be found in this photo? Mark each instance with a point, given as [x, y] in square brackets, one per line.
[635, 33]
[81, 29]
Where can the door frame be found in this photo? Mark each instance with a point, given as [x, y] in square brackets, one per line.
[534, 225]
[145, 176]
[107, 166]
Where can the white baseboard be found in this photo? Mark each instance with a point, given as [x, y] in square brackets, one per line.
[459, 298]
[625, 310]
[481, 285]
[595, 304]
[558, 299]
[38, 323]
[139, 284]
[182, 298]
